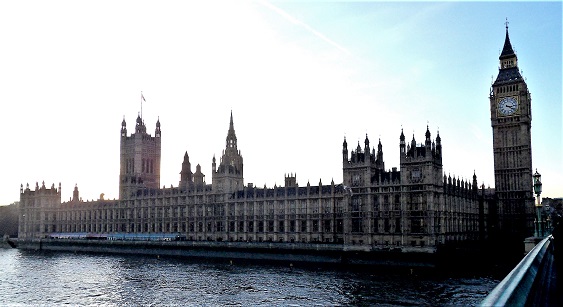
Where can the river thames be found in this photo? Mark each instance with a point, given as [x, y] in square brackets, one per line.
[57, 278]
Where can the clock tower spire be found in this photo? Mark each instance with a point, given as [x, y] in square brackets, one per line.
[511, 121]
[507, 56]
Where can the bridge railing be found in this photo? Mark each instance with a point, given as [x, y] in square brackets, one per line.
[518, 286]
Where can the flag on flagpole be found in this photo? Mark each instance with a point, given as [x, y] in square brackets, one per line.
[143, 97]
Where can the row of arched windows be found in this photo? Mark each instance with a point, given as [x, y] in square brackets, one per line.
[508, 88]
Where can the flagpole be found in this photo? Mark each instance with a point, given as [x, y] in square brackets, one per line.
[141, 104]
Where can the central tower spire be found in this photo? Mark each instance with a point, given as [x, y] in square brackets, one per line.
[231, 136]
[228, 176]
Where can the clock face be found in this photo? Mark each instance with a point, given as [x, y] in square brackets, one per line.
[507, 106]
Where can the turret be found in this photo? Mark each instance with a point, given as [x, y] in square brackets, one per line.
[157, 130]
[186, 173]
[199, 177]
[75, 194]
[345, 151]
[123, 128]
[290, 180]
[357, 155]
[402, 144]
[413, 146]
[140, 125]
[379, 160]
[428, 142]
[438, 145]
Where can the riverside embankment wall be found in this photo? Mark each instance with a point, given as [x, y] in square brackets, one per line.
[251, 251]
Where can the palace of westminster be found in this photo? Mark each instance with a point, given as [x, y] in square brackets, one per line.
[414, 207]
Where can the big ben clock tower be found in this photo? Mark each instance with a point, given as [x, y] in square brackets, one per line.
[511, 120]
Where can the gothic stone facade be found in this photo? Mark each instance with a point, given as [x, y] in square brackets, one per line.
[415, 208]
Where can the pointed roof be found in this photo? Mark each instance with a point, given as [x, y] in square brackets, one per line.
[231, 136]
[507, 51]
[508, 74]
[231, 126]
[231, 133]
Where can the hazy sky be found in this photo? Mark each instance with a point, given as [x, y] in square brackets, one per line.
[298, 77]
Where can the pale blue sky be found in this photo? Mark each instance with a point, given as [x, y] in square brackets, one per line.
[298, 77]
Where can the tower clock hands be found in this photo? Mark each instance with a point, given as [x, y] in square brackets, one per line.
[508, 106]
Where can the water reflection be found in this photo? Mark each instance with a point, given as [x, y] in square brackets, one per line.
[33, 278]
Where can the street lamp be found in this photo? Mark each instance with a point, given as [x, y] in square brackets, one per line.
[537, 190]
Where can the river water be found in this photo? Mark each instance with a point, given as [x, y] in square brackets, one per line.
[57, 278]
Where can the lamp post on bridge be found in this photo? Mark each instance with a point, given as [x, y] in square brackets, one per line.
[537, 190]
